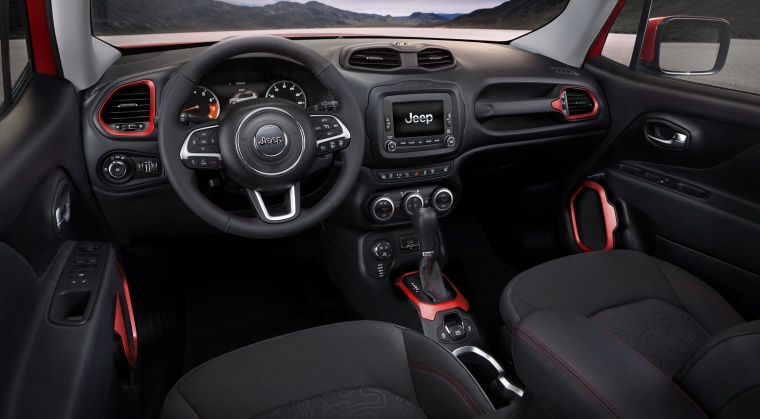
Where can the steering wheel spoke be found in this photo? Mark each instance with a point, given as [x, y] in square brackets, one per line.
[332, 134]
[200, 148]
[280, 212]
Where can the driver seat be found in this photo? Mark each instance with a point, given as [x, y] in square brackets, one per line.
[362, 368]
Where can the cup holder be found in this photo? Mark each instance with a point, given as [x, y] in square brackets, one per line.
[489, 374]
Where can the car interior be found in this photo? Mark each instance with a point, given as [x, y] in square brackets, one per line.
[333, 223]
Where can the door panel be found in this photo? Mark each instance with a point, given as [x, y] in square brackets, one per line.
[58, 335]
[698, 205]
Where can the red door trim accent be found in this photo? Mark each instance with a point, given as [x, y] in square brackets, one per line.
[427, 310]
[608, 211]
[39, 32]
[149, 130]
[119, 324]
[601, 38]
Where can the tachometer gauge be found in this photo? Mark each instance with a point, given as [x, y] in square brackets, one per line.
[287, 90]
[202, 106]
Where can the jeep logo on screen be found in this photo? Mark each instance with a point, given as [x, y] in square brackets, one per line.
[419, 119]
[270, 140]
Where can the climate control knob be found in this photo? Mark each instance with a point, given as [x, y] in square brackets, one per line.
[382, 209]
[412, 202]
[390, 146]
[442, 199]
[449, 141]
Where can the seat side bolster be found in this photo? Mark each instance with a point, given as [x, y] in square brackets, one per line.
[576, 369]
[725, 369]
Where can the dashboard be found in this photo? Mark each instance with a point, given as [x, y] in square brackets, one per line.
[483, 106]
[247, 79]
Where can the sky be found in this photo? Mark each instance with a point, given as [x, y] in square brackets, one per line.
[393, 7]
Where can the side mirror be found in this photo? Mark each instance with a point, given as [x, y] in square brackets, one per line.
[685, 46]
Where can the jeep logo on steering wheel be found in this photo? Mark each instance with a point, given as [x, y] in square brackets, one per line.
[270, 141]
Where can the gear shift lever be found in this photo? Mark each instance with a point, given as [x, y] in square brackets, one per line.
[425, 224]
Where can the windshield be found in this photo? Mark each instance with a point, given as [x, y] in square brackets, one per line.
[146, 22]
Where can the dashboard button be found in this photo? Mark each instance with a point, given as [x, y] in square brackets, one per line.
[390, 146]
[413, 202]
[387, 123]
[382, 209]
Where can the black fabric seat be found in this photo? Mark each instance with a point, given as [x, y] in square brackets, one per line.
[355, 369]
[621, 309]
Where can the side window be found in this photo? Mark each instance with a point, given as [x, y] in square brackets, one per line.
[14, 48]
[742, 65]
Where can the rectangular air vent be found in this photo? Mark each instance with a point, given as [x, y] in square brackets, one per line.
[129, 109]
[435, 58]
[576, 103]
[376, 58]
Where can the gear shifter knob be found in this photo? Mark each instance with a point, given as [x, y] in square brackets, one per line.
[425, 224]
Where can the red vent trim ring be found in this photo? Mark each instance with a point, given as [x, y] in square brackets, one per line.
[557, 104]
[151, 126]
[608, 211]
[427, 310]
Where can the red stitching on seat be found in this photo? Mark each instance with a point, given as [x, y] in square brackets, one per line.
[711, 296]
[653, 366]
[453, 382]
[543, 349]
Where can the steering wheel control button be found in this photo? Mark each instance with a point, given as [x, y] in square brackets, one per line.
[271, 141]
[382, 250]
[412, 202]
[382, 209]
[442, 199]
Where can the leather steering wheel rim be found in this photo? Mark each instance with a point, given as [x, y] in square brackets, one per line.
[172, 133]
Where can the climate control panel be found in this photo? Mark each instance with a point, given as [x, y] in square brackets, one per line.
[400, 204]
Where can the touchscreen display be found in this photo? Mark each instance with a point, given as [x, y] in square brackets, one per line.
[418, 119]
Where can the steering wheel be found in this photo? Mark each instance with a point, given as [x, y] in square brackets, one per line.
[267, 146]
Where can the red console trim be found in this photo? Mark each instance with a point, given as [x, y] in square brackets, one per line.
[608, 211]
[427, 310]
[152, 88]
[120, 325]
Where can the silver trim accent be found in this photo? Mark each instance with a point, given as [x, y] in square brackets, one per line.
[287, 216]
[347, 133]
[474, 354]
[240, 153]
[435, 195]
[375, 202]
[184, 154]
[408, 197]
[429, 255]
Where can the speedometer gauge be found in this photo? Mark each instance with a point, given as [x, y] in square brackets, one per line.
[202, 106]
[287, 90]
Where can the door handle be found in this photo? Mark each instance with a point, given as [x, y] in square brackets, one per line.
[666, 134]
[62, 207]
[678, 140]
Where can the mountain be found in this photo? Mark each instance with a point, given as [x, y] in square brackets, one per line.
[515, 14]
[421, 19]
[111, 17]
